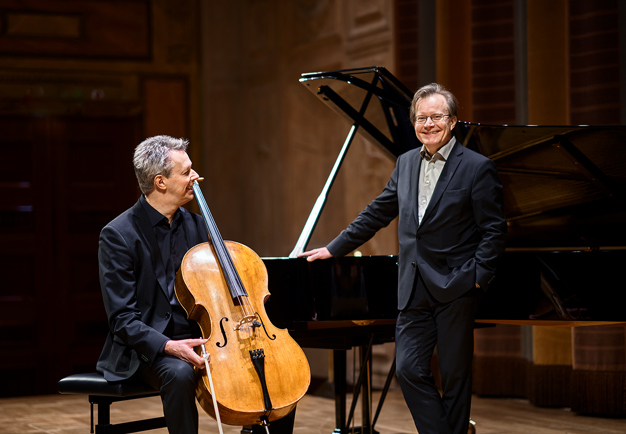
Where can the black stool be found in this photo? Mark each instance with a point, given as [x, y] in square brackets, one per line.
[103, 393]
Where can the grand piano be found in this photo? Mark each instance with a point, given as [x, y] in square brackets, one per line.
[565, 202]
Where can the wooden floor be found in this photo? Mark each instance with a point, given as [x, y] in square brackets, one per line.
[70, 415]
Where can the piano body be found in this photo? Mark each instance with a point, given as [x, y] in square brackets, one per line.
[565, 201]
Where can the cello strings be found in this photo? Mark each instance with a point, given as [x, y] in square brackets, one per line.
[232, 277]
[221, 250]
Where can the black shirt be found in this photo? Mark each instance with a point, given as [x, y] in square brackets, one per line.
[172, 246]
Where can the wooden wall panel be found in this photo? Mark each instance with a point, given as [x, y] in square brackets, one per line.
[366, 171]
[407, 42]
[599, 374]
[26, 257]
[550, 375]
[594, 58]
[271, 144]
[499, 366]
[73, 28]
[94, 183]
[78, 177]
[548, 63]
[81, 84]
[454, 52]
[493, 62]
[165, 102]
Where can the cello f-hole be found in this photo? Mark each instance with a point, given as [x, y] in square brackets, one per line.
[223, 333]
[264, 329]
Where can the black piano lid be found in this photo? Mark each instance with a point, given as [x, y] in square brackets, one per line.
[385, 119]
[564, 186]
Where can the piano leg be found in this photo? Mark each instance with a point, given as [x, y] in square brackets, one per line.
[363, 386]
[339, 380]
[366, 390]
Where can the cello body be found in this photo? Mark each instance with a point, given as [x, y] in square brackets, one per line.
[259, 372]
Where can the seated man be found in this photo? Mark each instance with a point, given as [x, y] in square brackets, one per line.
[139, 252]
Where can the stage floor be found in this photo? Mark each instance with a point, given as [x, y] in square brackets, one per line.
[70, 415]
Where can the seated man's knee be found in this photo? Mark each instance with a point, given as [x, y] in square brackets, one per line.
[180, 374]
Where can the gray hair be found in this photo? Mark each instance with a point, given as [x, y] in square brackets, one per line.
[152, 158]
[432, 89]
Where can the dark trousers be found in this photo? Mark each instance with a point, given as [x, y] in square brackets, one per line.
[177, 381]
[450, 326]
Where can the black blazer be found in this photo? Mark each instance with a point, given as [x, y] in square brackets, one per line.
[134, 289]
[462, 234]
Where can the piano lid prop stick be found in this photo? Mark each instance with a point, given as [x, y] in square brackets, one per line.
[321, 200]
[205, 356]
[311, 222]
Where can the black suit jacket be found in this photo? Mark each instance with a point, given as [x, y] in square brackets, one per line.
[462, 234]
[134, 289]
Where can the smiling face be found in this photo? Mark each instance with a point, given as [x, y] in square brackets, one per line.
[179, 183]
[434, 134]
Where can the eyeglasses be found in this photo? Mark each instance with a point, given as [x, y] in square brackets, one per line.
[437, 117]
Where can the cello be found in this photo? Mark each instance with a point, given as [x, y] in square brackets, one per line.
[258, 371]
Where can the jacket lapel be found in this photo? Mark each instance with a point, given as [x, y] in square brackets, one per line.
[145, 229]
[415, 179]
[444, 179]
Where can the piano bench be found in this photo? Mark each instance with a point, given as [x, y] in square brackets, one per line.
[103, 394]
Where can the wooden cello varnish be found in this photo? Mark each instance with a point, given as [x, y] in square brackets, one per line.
[247, 352]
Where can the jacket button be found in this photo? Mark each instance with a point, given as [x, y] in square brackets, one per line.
[413, 264]
[418, 237]
[168, 315]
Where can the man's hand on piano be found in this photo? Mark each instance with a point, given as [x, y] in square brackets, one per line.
[312, 255]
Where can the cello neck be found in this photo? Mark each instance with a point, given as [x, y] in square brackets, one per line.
[225, 261]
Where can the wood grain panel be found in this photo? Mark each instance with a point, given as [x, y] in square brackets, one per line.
[499, 368]
[548, 65]
[454, 48]
[493, 62]
[73, 28]
[165, 102]
[407, 43]
[27, 267]
[594, 58]
[76, 176]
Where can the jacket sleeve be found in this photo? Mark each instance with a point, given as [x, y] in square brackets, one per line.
[118, 281]
[374, 217]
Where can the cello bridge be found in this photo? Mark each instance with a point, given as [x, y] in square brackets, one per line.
[248, 319]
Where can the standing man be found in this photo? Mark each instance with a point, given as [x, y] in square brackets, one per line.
[451, 231]
[150, 337]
